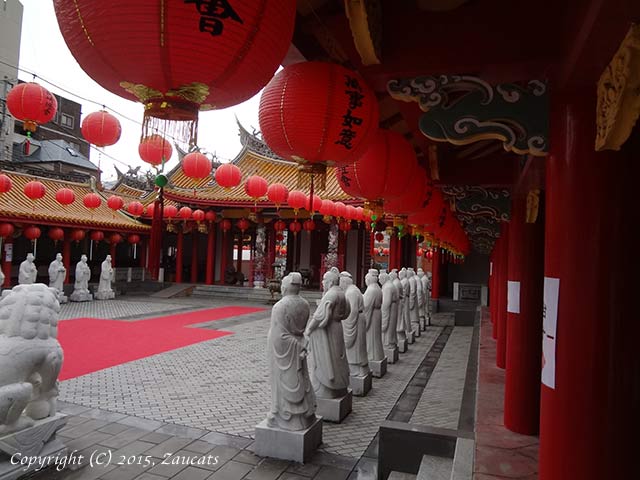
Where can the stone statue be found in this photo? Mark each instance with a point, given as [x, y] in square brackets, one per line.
[28, 271]
[415, 298]
[400, 329]
[30, 356]
[81, 286]
[354, 328]
[293, 403]
[373, 316]
[57, 274]
[106, 276]
[1, 279]
[389, 314]
[328, 364]
[424, 312]
[406, 306]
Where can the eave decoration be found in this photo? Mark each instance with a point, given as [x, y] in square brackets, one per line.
[618, 105]
[365, 20]
[464, 109]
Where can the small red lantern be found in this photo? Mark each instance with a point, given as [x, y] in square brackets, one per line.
[327, 208]
[115, 202]
[420, 252]
[225, 225]
[297, 200]
[256, 187]
[198, 215]
[279, 226]
[185, 213]
[92, 201]
[385, 251]
[154, 150]
[133, 238]
[243, 224]
[101, 128]
[77, 235]
[33, 104]
[32, 233]
[65, 196]
[277, 193]
[6, 230]
[345, 226]
[35, 190]
[352, 213]
[148, 210]
[97, 235]
[379, 237]
[309, 225]
[135, 208]
[56, 234]
[429, 254]
[196, 166]
[115, 238]
[340, 209]
[210, 216]
[170, 211]
[295, 227]
[279, 238]
[228, 175]
[5, 183]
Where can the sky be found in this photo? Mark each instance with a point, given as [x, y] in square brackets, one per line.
[44, 52]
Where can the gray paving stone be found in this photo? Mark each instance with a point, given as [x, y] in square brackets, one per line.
[142, 423]
[199, 446]
[192, 473]
[332, 473]
[166, 469]
[304, 469]
[231, 471]
[124, 438]
[149, 476]
[114, 428]
[155, 437]
[87, 441]
[171, 445]
[291, 476]
[182, 431]
[268, 469]
[247, 457]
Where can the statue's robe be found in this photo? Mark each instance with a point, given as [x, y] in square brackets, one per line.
[355, 332]
[390, 303]
[373, 321]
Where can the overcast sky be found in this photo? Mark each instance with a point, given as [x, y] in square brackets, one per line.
[44, 52]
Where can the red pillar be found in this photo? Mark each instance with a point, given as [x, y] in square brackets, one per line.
[589, 412]
[194, 255]
[435, 273]
[497, 250]
[501, 317]
[524, 319]
[223, 255]
[179, 251]
[211, 254]
[6, 265]
[492, 284]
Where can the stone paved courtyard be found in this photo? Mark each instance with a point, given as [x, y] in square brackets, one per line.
[210, 395]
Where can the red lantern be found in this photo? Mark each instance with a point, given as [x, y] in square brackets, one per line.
[277, 193]
[115, 202]
[345, 226]
[309, 225]
[385, 251]
[413, 199]
[243, 224]
[198, 215]
[133, 238]
[352, 213]
[101, 128]
[32, 232]
[185, 213]
[6, 230]
[34, 190]
[56, 234]
[256, 187]
[154, 150]
[340, 209]
[279, 226]
[384, 170]
[197, 55]
[33, 104]
[5, 183]
[65, 196]
[429, 254]
[97, 236]
[170, 211]
[228, 175]
[135, 208]
[379, 237]
[210, 216]
[297, 200]
[77, 235]
[295, 227]
[148, 210]
[360, 214]
[420, 252]
[332, 128]
[115, 238]
[225, 225]
[327, 208]
[196, 165]
[317, 203]
[92, 201]
[279, 238]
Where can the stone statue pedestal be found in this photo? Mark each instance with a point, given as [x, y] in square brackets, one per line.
[105, 295]
[39, 440]
[411, 337]
[297, 446]
[416, 330]
[77, 296]
[423, 324]
[378, 368]
[62, 298]
[334, 409]
[403, 345]
[391, 354]
[360, 386]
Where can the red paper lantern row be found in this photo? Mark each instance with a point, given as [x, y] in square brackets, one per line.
[317, 203]
[6, 230]
[339, 209]
[279, 226]
[56, 234]
[225, 225]
[35, 190]
[327, 208]
[352, 213]
[277, 193]
[170, 211]
[309, 225]
[198, 215]
[91, 201]
[210, 216]
[297, 200]
[115, 202]
[115, 238]
[133, 238]
[345, 225]
[196, 166]
[256, 187]
[5, 183]
[32, 232]
[185, 213]
[77, 235]
[295, 227]
[65, 196]
[228, 175]
[149, 209]
[101, 128]
[33, 104]
[154, 150]
[243, 224]
[97, 235]
[135, 208]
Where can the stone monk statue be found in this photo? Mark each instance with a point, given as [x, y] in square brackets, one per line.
[354, 328]
[81, 286]
[373, 316]
[415, 300]
[293, 403]
[106, 276]
[28, 271]
[328, 360]
[400, 327]
[57, 274]
[389, 311]
[422, 297]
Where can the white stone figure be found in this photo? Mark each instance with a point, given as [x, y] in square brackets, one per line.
[373, 316]
[424, 288]
[406, 312]
[105, 292]
[1, 279]
[57, 274]
[429, 288]
[414, 301]
[293, 403]
[400, 327]
[354, 328]
[389, 311]
[28, 271]
[81, 286]
[30, 356]
[328, 364]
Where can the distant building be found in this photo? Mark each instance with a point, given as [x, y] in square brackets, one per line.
[10, 30]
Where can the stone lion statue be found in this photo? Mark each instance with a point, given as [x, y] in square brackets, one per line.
[30, 356]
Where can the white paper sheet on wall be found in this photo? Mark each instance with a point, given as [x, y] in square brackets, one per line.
[549, 329]
[513, 297]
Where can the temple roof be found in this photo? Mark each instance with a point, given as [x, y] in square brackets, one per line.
[15, 206]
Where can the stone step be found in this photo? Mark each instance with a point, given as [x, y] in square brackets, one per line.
[401, 476]
[463, 459]
[435, 468]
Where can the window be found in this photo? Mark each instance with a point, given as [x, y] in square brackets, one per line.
[66, 120]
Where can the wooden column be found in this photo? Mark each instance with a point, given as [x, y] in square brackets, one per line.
[194, 255]
[179, 252]
[224, 247]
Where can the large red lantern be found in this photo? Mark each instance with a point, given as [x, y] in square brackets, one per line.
[185, 213]
[115, 202]
[277, 193]
[297, 200]
[309, 225]
[198, 215]
[154, 150]
[65, 196]
[210, 216]
[135, 208]
[91, 201]
[115, 238]
[228, 175]
[149, 209]
[196, 166]
[295, 227]
[35, 190]
[32, 233]
[6, 230]
[133, 238]
[77, 235]
[225, 225]
[413, 199]
[33, 104]
[383, 171]
[56, 234]
[170, 211]
[243, 224]
[101, 128]
[97, 235]
[279, 226]
[5, 183]
[318, 113]
[178, 57]
[256, 187]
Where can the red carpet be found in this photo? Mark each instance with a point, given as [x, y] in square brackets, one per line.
[91, 344]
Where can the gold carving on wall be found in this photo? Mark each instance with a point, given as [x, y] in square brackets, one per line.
[619, 94]
[365, 22]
